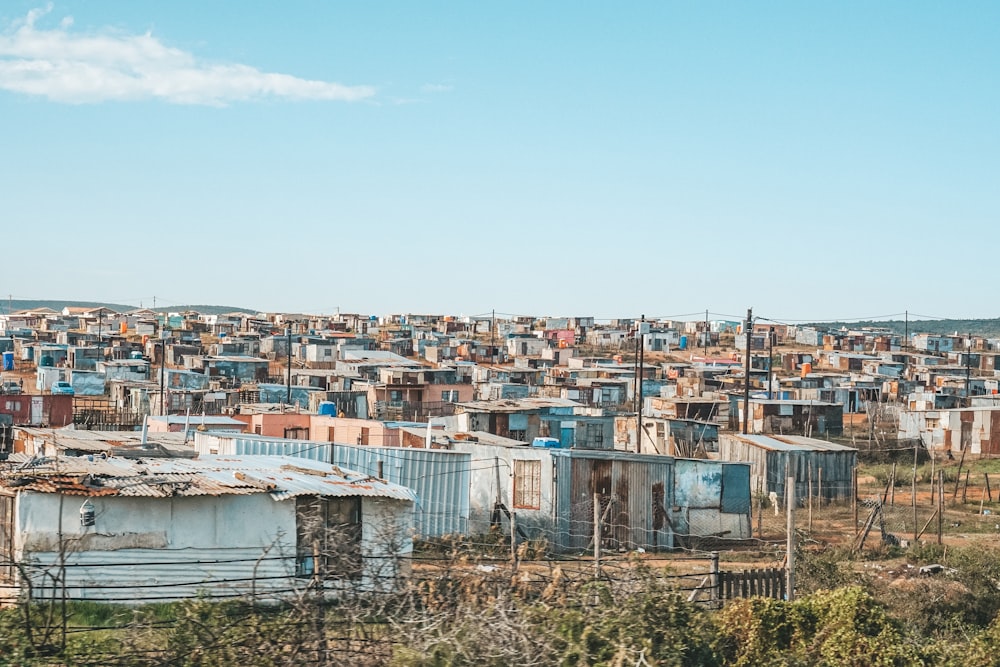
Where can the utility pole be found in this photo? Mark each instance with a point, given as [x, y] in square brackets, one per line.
[288, 380]
[968, 370]
[635, 371]
[748, 330]
[770, 359]
[100, 333]
[493, 333]
[642, 355]
[706, 333]
[163, 361]
[906, 356]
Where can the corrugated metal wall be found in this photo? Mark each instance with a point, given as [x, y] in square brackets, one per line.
[302, 449]
[836, 473]
[769, 468]
[440, 479]
[633, 519]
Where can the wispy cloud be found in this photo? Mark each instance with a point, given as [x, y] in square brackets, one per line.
[78, 68]
[436, 88]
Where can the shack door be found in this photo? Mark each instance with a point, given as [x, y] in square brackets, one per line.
[37, 410]
[601, 484]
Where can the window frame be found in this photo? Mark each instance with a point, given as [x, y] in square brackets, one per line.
[527, 481]
[337, 523]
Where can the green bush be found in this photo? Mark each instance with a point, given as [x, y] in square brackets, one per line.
[836, 628]
[825, 569]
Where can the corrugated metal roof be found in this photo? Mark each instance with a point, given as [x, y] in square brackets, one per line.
[291, 476]
[789, 443]
[67, 438]
[518, 404]
[283, 477]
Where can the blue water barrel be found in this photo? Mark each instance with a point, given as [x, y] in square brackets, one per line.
[328, 408]
[8, 361]
[47, 360]
[684, 343]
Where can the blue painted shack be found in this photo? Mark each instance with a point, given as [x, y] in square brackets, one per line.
[278, 393]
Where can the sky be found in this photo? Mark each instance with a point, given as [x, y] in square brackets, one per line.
[810, 160]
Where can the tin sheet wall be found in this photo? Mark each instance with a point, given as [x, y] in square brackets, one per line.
[635, 497]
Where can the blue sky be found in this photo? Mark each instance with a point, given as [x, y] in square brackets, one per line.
[812, 160]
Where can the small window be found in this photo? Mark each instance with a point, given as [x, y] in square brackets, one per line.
[328, 537]
[528, 485]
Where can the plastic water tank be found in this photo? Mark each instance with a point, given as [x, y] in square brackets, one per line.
[8, 361]
[807, 368]
[328, 408]
[550, 443]
[683, 345]
[47, 360]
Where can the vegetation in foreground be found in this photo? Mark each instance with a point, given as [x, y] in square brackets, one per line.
[847, 614]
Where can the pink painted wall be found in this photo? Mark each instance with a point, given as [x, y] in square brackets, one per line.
[353, 431]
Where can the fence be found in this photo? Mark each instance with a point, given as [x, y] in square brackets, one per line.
[761, 582]
[104, 415]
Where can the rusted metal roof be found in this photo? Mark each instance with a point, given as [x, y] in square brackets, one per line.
[64, 439]
[290, 476]
[283, 477]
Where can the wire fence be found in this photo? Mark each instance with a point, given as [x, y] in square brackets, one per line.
[329, 621]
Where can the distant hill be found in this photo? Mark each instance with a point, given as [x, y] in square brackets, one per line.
[210, 310]
[54, 304]
[979, 327]
[26, 304]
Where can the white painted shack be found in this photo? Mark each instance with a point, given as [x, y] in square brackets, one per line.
[148, 530]
[439, 478]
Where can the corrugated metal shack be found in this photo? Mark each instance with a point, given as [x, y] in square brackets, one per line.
[439, 478]
[166, 529]
[773, 458]
[46, 410]
[976, 430]
[788, 416]
[648, 501]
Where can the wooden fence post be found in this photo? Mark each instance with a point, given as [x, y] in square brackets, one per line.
[790, 543]
[714, 577]
[940, 506]
[597, 536]
[854, 497]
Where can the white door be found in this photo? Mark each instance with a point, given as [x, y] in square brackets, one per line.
[37, 403]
